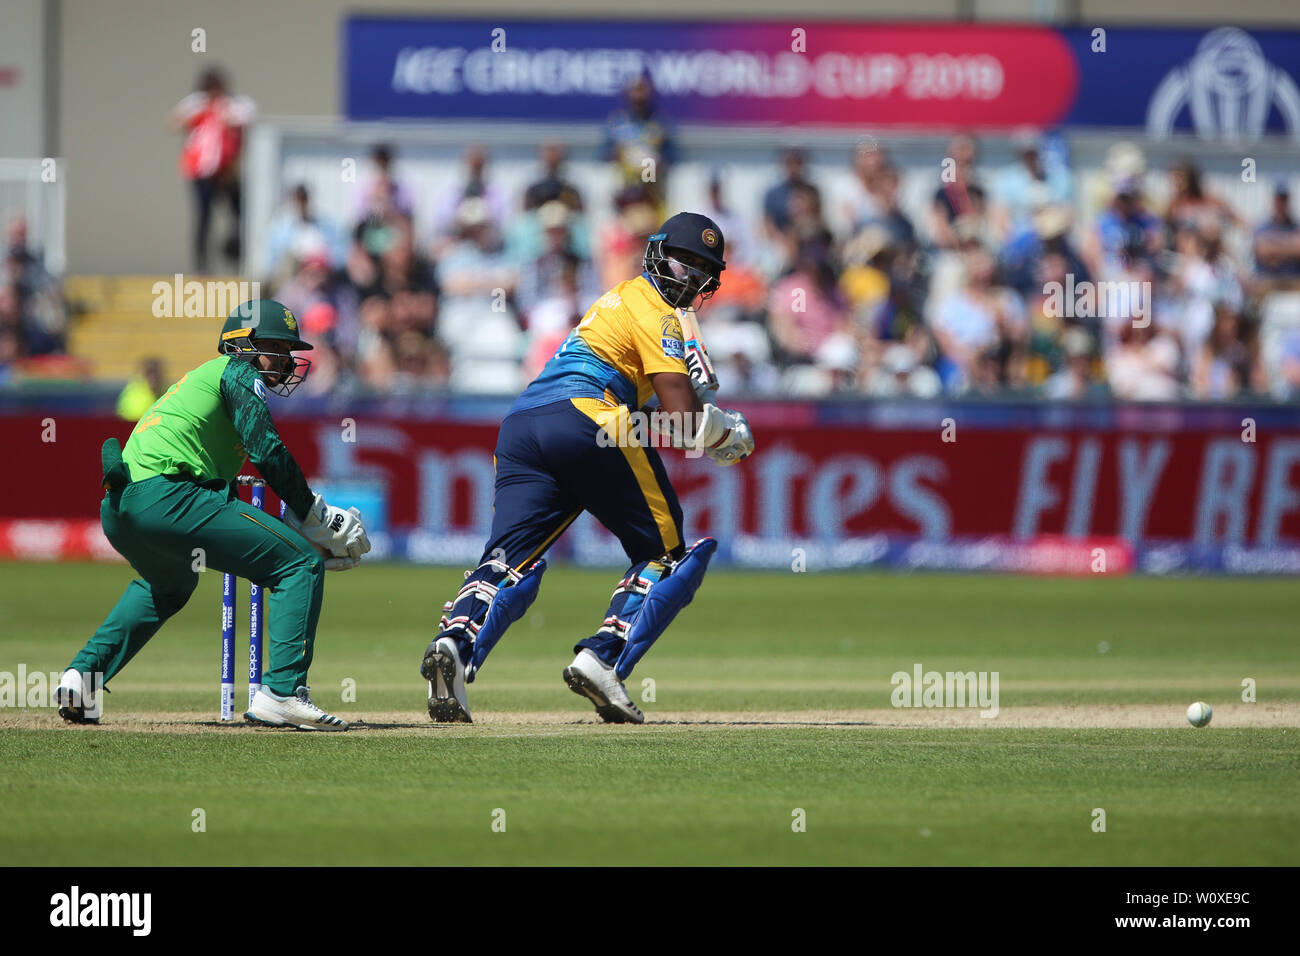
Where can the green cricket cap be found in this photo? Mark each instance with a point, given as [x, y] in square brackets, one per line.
[261, 319]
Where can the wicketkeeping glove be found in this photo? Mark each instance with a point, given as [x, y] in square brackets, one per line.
[341, 564]
[333, 530]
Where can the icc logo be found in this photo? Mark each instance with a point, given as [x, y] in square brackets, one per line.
[1227, 89]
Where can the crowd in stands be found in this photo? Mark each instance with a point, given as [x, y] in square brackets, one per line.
[987, 287]
[836, 294]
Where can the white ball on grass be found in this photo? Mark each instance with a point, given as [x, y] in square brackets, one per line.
[1199, 714]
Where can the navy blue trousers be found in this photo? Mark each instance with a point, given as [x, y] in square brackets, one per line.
[549, 469]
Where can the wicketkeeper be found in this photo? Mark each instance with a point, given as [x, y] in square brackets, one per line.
[567, 446]
[171, 508]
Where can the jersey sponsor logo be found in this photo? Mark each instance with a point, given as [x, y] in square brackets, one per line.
[259, 389]
[670, 328]
[673, 348]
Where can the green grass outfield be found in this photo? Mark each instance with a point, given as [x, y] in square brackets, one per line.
[772, 694]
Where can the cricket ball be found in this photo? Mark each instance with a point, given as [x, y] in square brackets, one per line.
[1199, 714]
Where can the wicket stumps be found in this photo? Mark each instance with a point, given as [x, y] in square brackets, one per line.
[256, 619]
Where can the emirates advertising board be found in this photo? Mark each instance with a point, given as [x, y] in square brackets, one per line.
[1033, 489]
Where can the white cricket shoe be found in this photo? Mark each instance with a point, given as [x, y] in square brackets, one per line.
[272, 710]
[445, 672]
[593, 679]
[76, 703]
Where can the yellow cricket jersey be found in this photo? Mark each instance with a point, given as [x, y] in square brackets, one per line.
[629, 334]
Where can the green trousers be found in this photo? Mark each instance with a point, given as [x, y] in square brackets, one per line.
[168, 527]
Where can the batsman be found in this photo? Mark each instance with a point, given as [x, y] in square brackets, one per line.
[568, 445]
[171, 508]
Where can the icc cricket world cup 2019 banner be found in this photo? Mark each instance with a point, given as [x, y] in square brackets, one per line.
[1224, 83]
[1038, 490]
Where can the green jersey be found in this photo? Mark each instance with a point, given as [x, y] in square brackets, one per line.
[208, 425]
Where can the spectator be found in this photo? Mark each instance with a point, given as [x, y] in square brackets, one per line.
[553, 184]
[375, 359]
[1277, 241]
[1125, 231]
[546, 276]
[838, 359]
[806, 307]
[375, 234]
[884, 193]
[1202, 278]
[1050, 332]
[553, 317]
[142, 391]
[213, 122]
[1224, 367]
[1045, 234]
[1143, 365]
[639, 143]
[776, 201]
[524, 235]
[1075, 380]
[19, 251]
[960, 196]
[622, 241]
[1191, 207]
[408, 280]
[10, 324]
[733, 228]
[473, 184]
[1025, 186]
[901, 373]
[1289, 366]
[420, 364]
[329, 370]
[36, 314]
[477, 323]
[858, 203]
[10, 347]
[741, 355]
[804, 219]
[978, 321]
[309, 284]
[399, 294]
[380, 195]
[295, 230]
[881, 283]
[865, 281]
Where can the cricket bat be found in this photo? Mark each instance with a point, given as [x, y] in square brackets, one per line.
[698, 365]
